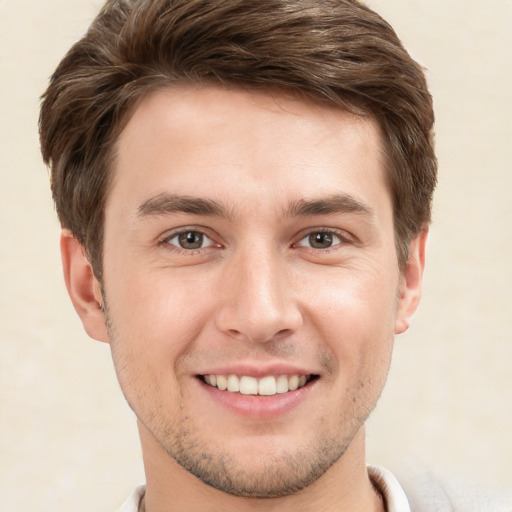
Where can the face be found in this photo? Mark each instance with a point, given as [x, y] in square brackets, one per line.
[249, 244]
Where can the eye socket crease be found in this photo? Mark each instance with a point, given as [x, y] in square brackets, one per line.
[165, 204]
[191, 240]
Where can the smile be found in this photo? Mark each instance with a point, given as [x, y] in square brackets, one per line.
[266, 386]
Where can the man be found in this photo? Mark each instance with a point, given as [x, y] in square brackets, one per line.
[245, 190]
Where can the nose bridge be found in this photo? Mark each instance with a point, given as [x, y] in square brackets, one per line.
[258, 300]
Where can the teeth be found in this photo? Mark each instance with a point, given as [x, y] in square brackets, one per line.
[222, 382]
[248, 386]
[293, 383]
[266, 386]
[282, 384]
[233, 383]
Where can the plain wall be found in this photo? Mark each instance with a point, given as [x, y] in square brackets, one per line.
[68, 441]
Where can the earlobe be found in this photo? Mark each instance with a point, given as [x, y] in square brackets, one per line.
[83, 288]
[411, 282]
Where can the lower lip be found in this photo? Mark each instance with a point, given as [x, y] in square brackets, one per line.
[258, 406]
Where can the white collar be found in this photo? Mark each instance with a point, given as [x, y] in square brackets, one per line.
[383, 479]
[392, 492]
[133, 502]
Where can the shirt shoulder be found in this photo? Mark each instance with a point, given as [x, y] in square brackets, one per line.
[427, 492]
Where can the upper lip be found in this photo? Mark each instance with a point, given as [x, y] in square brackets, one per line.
[258, 370]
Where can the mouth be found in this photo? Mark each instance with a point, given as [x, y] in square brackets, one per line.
[265, 386]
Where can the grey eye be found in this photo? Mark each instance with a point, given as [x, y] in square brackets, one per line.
[189, 240]
[320, 240]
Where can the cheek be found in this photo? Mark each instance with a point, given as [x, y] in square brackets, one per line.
[155, 320]
[354, 311]
[152, 326]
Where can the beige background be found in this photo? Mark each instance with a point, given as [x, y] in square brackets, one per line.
[68, 441]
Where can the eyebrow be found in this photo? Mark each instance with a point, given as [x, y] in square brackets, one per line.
[337, 203]
[164, 204]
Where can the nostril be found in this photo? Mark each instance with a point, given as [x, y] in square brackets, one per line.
[255, 313]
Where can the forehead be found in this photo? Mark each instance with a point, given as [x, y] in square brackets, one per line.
[220, 142]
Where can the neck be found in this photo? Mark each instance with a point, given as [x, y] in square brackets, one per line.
[344, 487]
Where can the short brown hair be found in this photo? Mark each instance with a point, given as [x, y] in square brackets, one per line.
[334, 51]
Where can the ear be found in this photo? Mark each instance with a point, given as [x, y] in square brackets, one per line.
[83, 288]
[410, 283]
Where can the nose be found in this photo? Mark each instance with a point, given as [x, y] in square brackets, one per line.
[257, 298]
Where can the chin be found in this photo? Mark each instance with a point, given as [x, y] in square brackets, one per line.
[273, 470]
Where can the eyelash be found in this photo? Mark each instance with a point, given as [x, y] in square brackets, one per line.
[340, 238]
[166, 241]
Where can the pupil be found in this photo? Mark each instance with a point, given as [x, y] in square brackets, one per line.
[191, 240]
[320, 240]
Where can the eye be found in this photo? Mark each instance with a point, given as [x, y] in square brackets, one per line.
[320, 240]
[189, 240]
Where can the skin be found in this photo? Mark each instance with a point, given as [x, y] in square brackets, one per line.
[256, 293]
